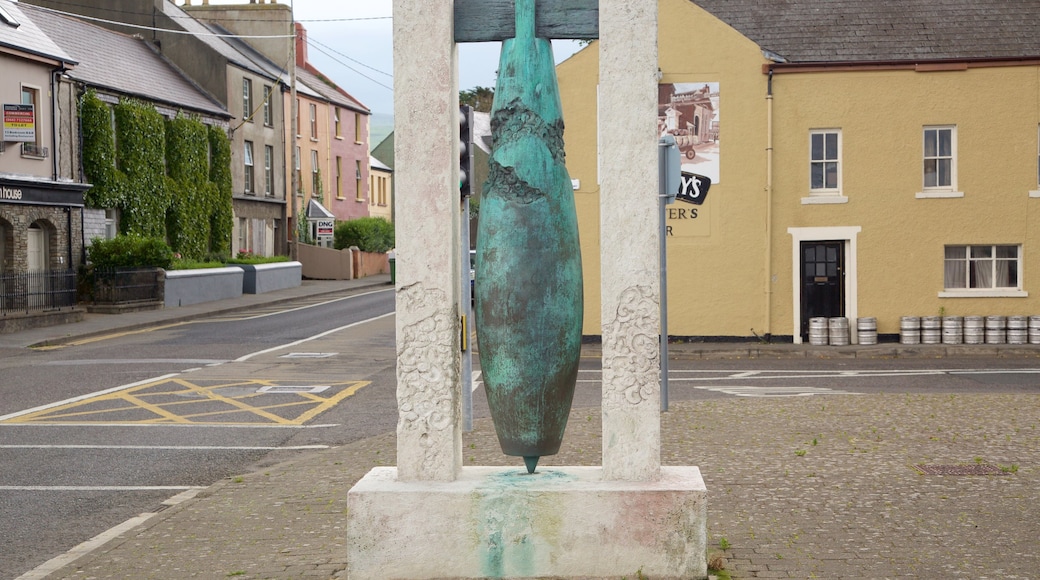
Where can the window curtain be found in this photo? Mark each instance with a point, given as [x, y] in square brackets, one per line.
[956, 268]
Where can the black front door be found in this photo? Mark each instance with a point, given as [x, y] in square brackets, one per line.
[823, 281]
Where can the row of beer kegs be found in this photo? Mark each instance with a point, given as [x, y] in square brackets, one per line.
[931, 330]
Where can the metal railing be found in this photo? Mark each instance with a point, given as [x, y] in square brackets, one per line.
[37, 291]
[112, 286]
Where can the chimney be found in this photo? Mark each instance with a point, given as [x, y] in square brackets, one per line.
[301, 45]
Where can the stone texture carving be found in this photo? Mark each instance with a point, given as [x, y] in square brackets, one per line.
[427, 359]
[631, 357]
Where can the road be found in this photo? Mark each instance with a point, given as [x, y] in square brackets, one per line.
[95, 433]
[106, 454]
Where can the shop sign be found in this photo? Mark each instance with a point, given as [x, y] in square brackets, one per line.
[693, 188]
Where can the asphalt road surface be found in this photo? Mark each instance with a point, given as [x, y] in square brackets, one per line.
[95, 433]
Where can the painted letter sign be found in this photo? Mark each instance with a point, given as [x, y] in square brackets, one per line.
[693, 188]
[20, 123]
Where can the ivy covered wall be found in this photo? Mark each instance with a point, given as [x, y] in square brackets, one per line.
[168, 178]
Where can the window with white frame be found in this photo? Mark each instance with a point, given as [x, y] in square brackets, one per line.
[298, 172]
[940, 157]
[268, 111]
[247, 99]
[825, 162]
[314, 121]
[339, 128]
[984, 267]
[269, 169]
[249, 186]
[315, 174]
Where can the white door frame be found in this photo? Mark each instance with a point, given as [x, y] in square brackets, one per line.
[849, 235]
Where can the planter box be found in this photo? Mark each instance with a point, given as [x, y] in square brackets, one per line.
[262, 278]
[185, 287]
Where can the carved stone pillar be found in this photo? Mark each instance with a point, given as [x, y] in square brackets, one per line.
[629, 240]
[429, 436]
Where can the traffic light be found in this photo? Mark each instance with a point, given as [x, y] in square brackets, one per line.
[465, 151]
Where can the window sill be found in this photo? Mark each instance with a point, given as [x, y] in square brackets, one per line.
[824, 199]
[314, 139]
[996, 293]
[941, 194]
[339, 137]
[340, 198]
[1034, 193]
[360, 200]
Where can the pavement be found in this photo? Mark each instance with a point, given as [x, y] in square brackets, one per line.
[832, 486]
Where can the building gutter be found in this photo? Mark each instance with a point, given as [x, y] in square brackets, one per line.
[926, 65]
[769, 210]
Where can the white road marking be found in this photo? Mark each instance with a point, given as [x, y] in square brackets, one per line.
[170, 447]
[58, 562]
[99, 487]
[746, 391]
[266, 314]
[475, 382]
[310, 338]
[133, 361]
[173, 425]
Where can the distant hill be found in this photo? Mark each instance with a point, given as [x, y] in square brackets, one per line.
[380, 125]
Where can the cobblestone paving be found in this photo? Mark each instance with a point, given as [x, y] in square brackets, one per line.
[806, 487]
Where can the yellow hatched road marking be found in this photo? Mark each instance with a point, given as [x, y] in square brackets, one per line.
[154, 399]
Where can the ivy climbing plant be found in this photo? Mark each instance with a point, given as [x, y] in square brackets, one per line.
[169, 178]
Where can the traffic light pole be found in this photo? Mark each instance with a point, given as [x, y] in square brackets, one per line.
[465, 190]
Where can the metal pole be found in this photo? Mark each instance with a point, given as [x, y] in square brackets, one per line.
[467, 309]
[663, 202]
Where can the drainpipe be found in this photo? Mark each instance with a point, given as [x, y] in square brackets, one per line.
[769, 208]
[54, 123]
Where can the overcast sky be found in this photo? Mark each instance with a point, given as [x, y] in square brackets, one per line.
[351, 42]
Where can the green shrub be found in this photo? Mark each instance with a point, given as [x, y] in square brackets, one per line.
[369, 234]
[130, 251]
[253, 259]
[186, 264]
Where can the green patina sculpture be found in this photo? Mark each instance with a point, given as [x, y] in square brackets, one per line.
[529, 300]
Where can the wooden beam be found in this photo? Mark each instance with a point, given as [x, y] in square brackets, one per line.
[494, 20]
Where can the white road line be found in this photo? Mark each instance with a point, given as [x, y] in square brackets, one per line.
[99, 487]
[475, 382]
[746, 391]
[133, 361]
[266, 314]
[58, 562]
[169, 447]
[310, 338]
[10, 416]
[173, 425]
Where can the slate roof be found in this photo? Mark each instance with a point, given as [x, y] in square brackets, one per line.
[273, 69]
[333, 95]
[27, 36]
[804, 31]
[188, 23]
[120, 63]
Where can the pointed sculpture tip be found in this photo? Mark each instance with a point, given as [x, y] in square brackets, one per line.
[532, 462]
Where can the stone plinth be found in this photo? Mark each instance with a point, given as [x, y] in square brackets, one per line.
[561, 522]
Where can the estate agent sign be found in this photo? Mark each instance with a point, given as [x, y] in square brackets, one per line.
[20, 123]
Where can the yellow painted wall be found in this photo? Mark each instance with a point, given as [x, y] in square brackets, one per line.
[715, 261]
[882, 117]
[716, 268]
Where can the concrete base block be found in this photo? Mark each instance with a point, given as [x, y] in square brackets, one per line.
[560, 522]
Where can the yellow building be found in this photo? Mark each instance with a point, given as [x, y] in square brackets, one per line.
[865, 159]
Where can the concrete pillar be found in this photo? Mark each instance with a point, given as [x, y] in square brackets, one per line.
[629, 239]
[426, 87]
